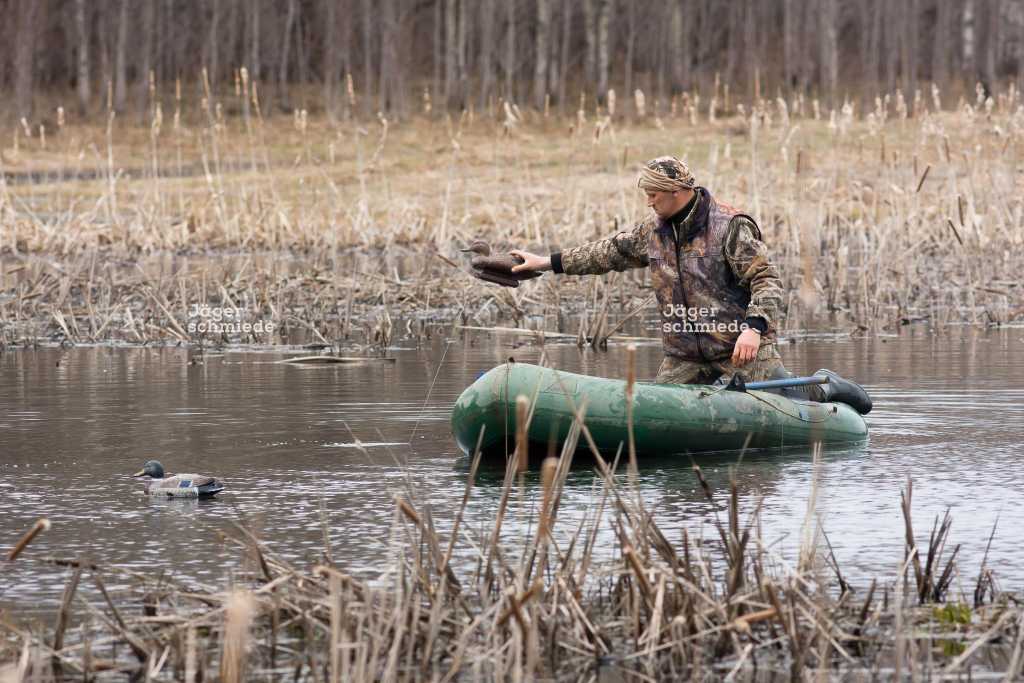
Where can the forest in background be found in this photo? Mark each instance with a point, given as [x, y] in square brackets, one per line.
[353, 57]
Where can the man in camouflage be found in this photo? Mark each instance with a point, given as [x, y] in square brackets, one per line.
[718, 292]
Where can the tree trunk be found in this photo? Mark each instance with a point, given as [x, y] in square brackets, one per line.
[751, 65]
[868, 52]
[1020, 57]
[829, 36]
[510, 50]
[891, 45]
[675, 45]
[145, 58]
[438, 52]
[734, 28]
[302, 50]
[486, 50]
[462, 43]
[214, 43]
[540, 64]
[908, 45]
[790, 38]
[554, 50]
[82, 76]
[386, 86]
[120, 67]
[332, 69]
[368, 13]
[661, 61]
[630, 50]
[941, 43]
[604, 9]
[451, 49]
[254, 39]
[24, 57]
[968, 32]
[589, 43]
[990, 20]
[563, 57]
[286, 43]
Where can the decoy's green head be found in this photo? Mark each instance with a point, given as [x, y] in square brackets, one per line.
[152, 468]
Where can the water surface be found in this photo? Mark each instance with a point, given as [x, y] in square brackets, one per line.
[302, 446]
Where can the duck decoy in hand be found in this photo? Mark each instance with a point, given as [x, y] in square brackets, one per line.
[496, 268]
[178, 485]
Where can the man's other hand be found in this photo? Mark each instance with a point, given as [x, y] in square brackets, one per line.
[746, 347]
[531, 261]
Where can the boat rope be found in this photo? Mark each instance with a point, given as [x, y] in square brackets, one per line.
[799, 416]
[796, 417]
[419, 417]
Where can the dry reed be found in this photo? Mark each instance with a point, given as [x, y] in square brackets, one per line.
[547, 608]
[876, 218]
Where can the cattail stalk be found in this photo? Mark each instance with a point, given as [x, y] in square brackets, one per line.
[42, 524]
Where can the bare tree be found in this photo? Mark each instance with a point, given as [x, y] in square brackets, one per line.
[563, 56]
[120, 61]
[368, 45]
[254, 39]
[603, 20]
[24, 57]
[388, 86]
[790, 38]
[589, 42]
[526, 49]
[451, 49]
[486, 50]
[890, 47]
[908, 49]
[679, 47]
[940, 42]
[82, 76]
[332, 52]
[286, 42]
[540, 61]
[989, 21]
[829, 34]
[871, 32]
[438, 49]
[630, 48]
[510, 50]
[461, 51]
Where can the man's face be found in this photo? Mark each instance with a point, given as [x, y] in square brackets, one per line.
[665, 204]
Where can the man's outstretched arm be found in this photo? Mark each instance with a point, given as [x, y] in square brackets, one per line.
[619, 252]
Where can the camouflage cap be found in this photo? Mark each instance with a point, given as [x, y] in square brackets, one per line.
[665, 174]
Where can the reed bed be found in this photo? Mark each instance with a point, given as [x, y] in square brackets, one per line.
[900, 213]
[716, 603]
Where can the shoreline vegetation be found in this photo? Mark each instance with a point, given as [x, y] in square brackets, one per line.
[348, 231]
[716, 603]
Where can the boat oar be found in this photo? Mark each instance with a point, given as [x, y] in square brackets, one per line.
[737, 383]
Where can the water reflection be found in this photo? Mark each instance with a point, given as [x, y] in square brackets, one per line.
[298, 448]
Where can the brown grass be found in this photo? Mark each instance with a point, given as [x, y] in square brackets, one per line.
[113, 232]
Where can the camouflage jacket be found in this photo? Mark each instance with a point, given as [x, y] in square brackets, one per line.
[746, 254]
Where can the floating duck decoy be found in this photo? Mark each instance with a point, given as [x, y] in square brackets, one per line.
[496, 268]
[178, 485]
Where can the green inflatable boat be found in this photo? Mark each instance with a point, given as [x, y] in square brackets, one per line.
[667, 418]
